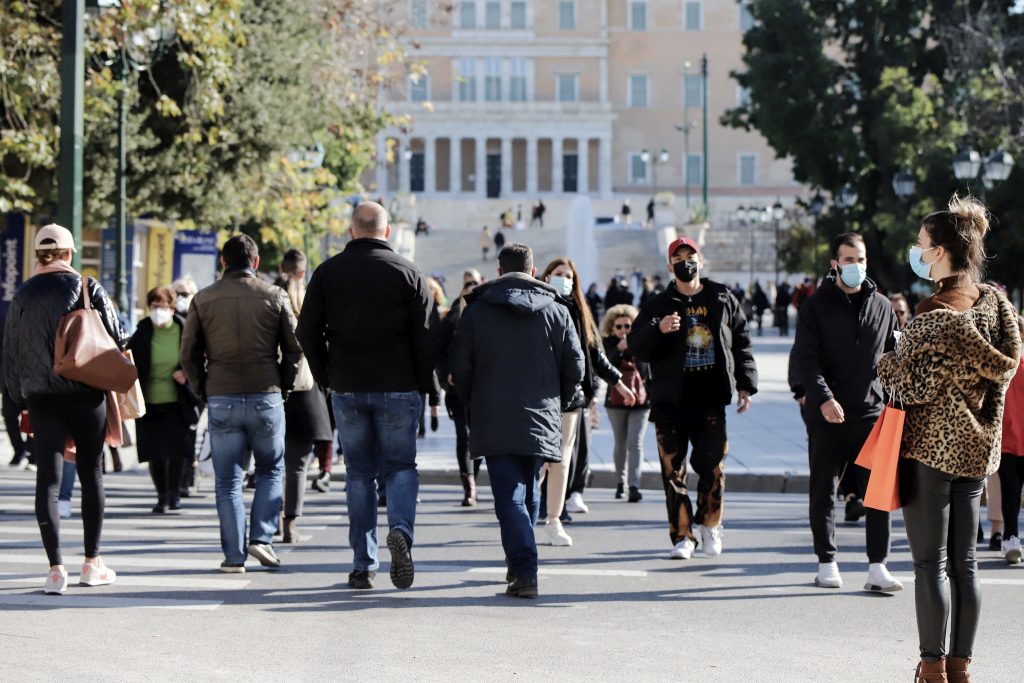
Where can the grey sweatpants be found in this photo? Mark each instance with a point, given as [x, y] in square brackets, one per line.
[628, 426]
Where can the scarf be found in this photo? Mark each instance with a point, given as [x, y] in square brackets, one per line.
[57, 266]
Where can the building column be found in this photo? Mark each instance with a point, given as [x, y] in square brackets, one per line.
[604, 166]
[531, 167]
[556, 165]
[455, 164]
[381, 170]
[583, 165]
[506, 167]
[429, 165]
[403, 166]
[481, 167]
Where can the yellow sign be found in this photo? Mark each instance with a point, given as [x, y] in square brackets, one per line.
[159, 257]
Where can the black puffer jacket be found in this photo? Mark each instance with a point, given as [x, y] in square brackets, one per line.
[31, 327]
[515, 360]
[596, 364]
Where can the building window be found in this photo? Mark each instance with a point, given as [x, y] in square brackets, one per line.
[467, 14]
[746, 18]
[567, 15]
[637, 169]
[419, 87]
[492, 16]
[517, 80]
[693, 11]
[747, 169]
[517, 14]
[638, 98]
[418, 13]
[417, 172]
[467, 80]
[693, 91]
[742, 96]
[694, 169]
[638, 15]
[492, 80]
[568, 87]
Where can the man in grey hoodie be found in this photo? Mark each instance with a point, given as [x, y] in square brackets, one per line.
[516, 360]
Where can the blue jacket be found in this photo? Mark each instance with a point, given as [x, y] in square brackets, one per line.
[516, 360]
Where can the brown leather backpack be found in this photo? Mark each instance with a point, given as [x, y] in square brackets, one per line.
[84, 351]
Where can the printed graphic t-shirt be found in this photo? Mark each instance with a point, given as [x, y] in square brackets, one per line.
[700, 382]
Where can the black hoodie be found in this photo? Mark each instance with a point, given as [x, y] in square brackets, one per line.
[837, 348]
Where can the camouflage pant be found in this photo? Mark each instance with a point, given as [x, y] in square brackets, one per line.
[706, 433]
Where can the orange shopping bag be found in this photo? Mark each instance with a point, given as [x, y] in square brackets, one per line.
[881, 455]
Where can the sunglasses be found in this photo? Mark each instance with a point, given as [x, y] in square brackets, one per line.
[626, 326]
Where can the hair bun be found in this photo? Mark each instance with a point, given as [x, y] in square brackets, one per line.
[970, 216]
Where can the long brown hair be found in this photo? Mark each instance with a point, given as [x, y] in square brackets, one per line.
[961, 229]
[589, 331]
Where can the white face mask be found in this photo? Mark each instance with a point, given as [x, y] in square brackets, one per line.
[161, 317]
[181, 304]
[562, 285]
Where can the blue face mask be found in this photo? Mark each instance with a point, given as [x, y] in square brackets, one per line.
[921, 269]
[562, 284]
[853, 274]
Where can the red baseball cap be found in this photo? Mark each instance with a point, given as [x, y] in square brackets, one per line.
[682, 242]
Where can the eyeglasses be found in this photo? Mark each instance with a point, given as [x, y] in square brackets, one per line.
[625, 326]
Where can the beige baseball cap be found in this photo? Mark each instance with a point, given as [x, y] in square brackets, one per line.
[54, 236]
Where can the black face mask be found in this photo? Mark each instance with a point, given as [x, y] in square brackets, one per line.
[685, 271]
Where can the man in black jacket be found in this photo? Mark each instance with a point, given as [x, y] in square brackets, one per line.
[515, 362]
[695, 337]
[364, 328]
[843, 330]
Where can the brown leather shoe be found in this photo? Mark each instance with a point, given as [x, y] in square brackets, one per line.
[468, 490]
[291, 531]
[931, 672]
[956, 669]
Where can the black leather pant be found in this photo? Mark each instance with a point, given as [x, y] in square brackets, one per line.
[941, 512]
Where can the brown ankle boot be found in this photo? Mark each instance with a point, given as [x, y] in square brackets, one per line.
[468, 490]
[291, 531]
[956, 669]
[931, 672]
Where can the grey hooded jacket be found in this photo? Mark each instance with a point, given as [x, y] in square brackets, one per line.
[516, 360]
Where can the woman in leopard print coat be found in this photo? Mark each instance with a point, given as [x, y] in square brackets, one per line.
[950, 369]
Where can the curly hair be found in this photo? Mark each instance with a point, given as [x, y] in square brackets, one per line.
[613, 314]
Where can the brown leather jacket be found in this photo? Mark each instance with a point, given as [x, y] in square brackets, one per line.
[239, 338]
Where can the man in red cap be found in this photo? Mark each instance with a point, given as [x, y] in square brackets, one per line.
[695, 337]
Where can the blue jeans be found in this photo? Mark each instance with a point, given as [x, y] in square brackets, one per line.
[240, 423]
[517, 504]
[378, 437]
[67, 482]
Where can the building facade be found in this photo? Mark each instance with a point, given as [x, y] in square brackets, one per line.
[523, 99]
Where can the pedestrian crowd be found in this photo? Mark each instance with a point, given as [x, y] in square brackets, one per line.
[522, 361]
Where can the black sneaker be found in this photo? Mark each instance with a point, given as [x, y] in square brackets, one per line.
[402, 569]
[996, 541]
[361, 579]
[174, 505]
[522, 588]
[634, 495]
[565, 517]
[264, 552]
[854, 509]
[620, 490]
[159, 509]
[382, 501]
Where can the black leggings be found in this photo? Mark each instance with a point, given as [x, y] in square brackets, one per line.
[941, 512]
[1011, 479]
[83, 417]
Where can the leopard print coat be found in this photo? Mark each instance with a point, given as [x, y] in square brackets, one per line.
[951, 370]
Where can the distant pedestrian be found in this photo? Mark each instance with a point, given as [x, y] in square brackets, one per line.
[951, 369]
[901, 308]
[1011, 466]
[239, 351]
[486, 240]
[516, 362]
[499, 241]
[626, 211]
[364, 329]
[650, 213]
[695, 337]
[759, 300]
[59, 410]
[843, 329]
[185, 288]
[594, 301]
[780, 312]
[537, 215]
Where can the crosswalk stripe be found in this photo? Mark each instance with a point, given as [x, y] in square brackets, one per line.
[104, 602]
[142, 580]
[564, 571]
[985, 581]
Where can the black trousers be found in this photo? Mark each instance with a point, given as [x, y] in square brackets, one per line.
[297, 455]
[579, 469]
[83, 417]
[457, 412]
[942, 512]
[834, 447]
[1011, 479]
[12, 423]
[167, 443]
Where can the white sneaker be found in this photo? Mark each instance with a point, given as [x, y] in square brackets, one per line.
[576, 504]
[880, 580]
[554, 534]
[711, 540]
[93, 575]
[56, 582]
[682, 550]
[1011, 550]
[64, 508]
[828, 576]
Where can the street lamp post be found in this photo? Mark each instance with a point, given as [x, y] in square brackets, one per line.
[662, 158]
[817, 206]
[685, 129]
[72, 77]
[967, 165]
[704, 102]
[778, 213]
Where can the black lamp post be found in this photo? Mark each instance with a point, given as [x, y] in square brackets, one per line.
[778, 213]
[816, 207]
